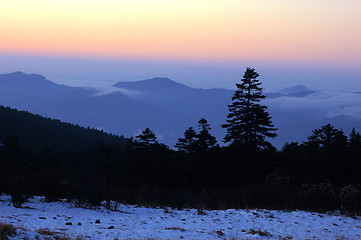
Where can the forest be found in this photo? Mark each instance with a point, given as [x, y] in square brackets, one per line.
[41, 156]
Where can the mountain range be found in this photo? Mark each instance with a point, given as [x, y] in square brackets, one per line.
[166, 107]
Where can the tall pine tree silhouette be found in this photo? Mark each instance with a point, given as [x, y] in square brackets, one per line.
[248, 122]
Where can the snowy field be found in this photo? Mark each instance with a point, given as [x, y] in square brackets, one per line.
[133, 222]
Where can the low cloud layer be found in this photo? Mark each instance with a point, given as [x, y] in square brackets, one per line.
[323, 104]
[108, 90]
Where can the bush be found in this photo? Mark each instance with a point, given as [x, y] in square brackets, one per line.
[112, 205]
[80, 203]
[350, 199]
[318, 197]
[18, 199]
[6, 230]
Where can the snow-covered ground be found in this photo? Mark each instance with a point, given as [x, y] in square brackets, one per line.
[135, 222]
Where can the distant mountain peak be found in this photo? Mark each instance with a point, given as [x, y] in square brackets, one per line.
[17, 73]
[295, 89]
[21, 76]
[160, 79]
[20, 84]
[153, 84]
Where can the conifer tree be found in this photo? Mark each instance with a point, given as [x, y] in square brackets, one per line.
[147, 137]
[355, 140]
[328, 137]
[187, 143]
[205, 140]
[248, 122]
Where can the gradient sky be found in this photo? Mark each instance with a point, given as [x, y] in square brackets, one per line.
[322, 31]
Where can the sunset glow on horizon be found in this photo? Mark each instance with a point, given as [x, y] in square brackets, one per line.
[278, 30]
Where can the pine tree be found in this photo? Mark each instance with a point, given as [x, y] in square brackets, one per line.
[327, 137]
[147, 137]
[355, 140]
[248, 122]
[205, 140]
[187, 143]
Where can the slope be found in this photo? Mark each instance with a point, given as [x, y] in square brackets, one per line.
[36, 132]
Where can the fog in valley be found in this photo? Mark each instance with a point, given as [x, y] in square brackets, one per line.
[109, 94]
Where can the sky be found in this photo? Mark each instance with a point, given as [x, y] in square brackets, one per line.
[292, 37]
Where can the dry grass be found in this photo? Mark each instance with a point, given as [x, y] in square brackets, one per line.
[45, 231]
[201, 212]
[6, 230]
[259, 232]
[56, 235]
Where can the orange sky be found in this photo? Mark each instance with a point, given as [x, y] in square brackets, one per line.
[269, 30]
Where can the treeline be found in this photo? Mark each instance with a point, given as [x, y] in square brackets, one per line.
[36, 132]
[320, 174]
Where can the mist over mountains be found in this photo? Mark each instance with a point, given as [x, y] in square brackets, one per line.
[168, 107]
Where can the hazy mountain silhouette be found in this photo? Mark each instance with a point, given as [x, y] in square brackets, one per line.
[165, 92]
[165, 106]
[154, 85]
[22, 81]
[33, 90]
[295, 91]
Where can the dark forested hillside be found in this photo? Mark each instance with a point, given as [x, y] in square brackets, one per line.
[36, 132]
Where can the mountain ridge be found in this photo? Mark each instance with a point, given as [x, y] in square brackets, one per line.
[49, 133]
[168, 108]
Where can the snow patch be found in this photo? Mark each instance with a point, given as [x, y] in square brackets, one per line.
[140, 223]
